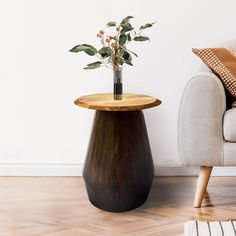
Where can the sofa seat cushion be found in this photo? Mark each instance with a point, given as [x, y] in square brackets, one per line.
[230, 125]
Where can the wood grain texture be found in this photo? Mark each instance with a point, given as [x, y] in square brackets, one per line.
[202, 183]
[58, 206]
[105, 102]
[119, 169]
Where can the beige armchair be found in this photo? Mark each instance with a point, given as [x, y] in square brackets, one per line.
[207, 129]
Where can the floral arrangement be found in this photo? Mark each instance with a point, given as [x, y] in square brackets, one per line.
[114, 51]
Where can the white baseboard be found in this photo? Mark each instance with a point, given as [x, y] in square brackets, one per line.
[41, 169]
[51, 169]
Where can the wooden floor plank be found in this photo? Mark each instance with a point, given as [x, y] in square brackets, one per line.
[58, 206]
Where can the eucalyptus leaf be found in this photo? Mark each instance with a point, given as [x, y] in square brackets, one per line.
[148, 25]
[93, 65]
[129, 37]
[141, 38]
[126, 56]
[126, 19]
[126, 27]
[122, 39]
[129, 63]
[132, 52]
[111, 24]
[105, 52]
[89, 49]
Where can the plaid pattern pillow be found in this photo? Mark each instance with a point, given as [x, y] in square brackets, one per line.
[222, 61]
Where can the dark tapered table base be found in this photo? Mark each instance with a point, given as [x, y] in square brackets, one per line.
[119, 170]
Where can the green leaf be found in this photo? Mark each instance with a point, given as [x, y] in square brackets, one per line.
[129, 37]
[126, 19]
[122, 39]
[89, 49]
[93, 65]
[141, 38]
[148, 25]
[132, 52]
[111, 24]
[126, 27]
[129, 63]
[105, 52]
[127, 58]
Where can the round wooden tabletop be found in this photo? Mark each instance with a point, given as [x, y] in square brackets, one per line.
[105, 102]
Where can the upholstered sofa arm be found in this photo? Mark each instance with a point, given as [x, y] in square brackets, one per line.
[201, 121]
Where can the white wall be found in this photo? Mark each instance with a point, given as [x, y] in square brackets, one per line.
[39, 78]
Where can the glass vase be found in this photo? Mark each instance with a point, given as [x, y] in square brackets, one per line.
[117, 80]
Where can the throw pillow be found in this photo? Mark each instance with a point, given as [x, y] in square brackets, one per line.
[222, 61]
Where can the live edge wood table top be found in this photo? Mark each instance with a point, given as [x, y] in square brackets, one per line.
[105, 102]
[118, 170]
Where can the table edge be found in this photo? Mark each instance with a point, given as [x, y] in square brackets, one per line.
[157, 102]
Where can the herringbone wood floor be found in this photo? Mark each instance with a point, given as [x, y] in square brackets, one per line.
[58, 206]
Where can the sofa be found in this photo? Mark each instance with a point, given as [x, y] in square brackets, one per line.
[206, 126]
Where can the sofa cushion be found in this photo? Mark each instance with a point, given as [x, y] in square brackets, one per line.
[222, 61]
[230, 125]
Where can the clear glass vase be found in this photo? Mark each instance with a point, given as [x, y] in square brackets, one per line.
[117, 79]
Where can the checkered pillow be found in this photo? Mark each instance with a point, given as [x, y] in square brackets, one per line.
[222, 61]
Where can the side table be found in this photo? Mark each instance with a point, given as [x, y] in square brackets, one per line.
[118, 170]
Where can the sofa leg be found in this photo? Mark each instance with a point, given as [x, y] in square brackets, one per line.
[202, 182]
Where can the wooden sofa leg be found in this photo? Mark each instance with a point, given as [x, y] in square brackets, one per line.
[202, 182]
